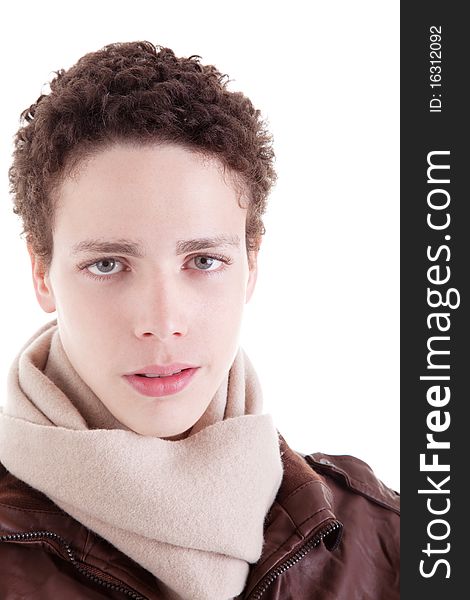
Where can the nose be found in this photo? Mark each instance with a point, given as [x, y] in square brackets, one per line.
[161, 310]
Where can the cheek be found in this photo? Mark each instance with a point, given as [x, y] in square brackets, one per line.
[210, 305]
[87, 309]
[222, 311]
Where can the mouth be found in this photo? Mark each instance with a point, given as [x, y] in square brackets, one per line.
[157, 386]
[152, 376]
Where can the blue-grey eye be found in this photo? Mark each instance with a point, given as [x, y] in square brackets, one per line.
[108, 264]
[105, 266]
[205, 262]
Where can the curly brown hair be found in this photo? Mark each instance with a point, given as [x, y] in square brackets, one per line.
[140, 93]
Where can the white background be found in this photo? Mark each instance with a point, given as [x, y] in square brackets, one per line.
[323, 326]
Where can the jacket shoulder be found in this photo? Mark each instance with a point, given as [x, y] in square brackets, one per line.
[364, 562]
[16, 493]
[45, 553]
[357, 476]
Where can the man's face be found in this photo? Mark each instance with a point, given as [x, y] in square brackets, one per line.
[173, 293]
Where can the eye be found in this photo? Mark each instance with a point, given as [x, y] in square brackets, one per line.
[104, 266]
[209, 263]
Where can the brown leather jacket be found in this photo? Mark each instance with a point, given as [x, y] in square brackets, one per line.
[331, 534]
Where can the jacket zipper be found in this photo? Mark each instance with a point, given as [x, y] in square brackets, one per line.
[295, 558]
[87, 571]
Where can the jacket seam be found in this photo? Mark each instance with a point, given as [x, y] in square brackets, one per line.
[367, 491]
[299, 533]
[311, 517]
[299, 489]
[357, 486]
[353, 478]
[34, 510]
[40, 543]
[84, 552]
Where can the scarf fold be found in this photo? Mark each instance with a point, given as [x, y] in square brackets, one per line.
[190, 511]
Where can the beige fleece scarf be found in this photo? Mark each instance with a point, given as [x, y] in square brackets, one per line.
[190, 511]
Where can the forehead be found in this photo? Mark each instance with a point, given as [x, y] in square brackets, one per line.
[154, 190]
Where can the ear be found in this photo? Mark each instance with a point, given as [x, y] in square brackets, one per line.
[252, 274]
[42, 284]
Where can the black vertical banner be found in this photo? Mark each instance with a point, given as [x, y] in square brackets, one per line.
[435, 315]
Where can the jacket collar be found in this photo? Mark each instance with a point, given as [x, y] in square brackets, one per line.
[302, 509]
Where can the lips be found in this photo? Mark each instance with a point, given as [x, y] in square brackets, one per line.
[162, 370]
[152, 376]
[158, 381]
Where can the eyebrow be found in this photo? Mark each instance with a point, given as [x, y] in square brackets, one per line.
[131, 248]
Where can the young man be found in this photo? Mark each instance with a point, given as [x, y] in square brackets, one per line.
[136, 457]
